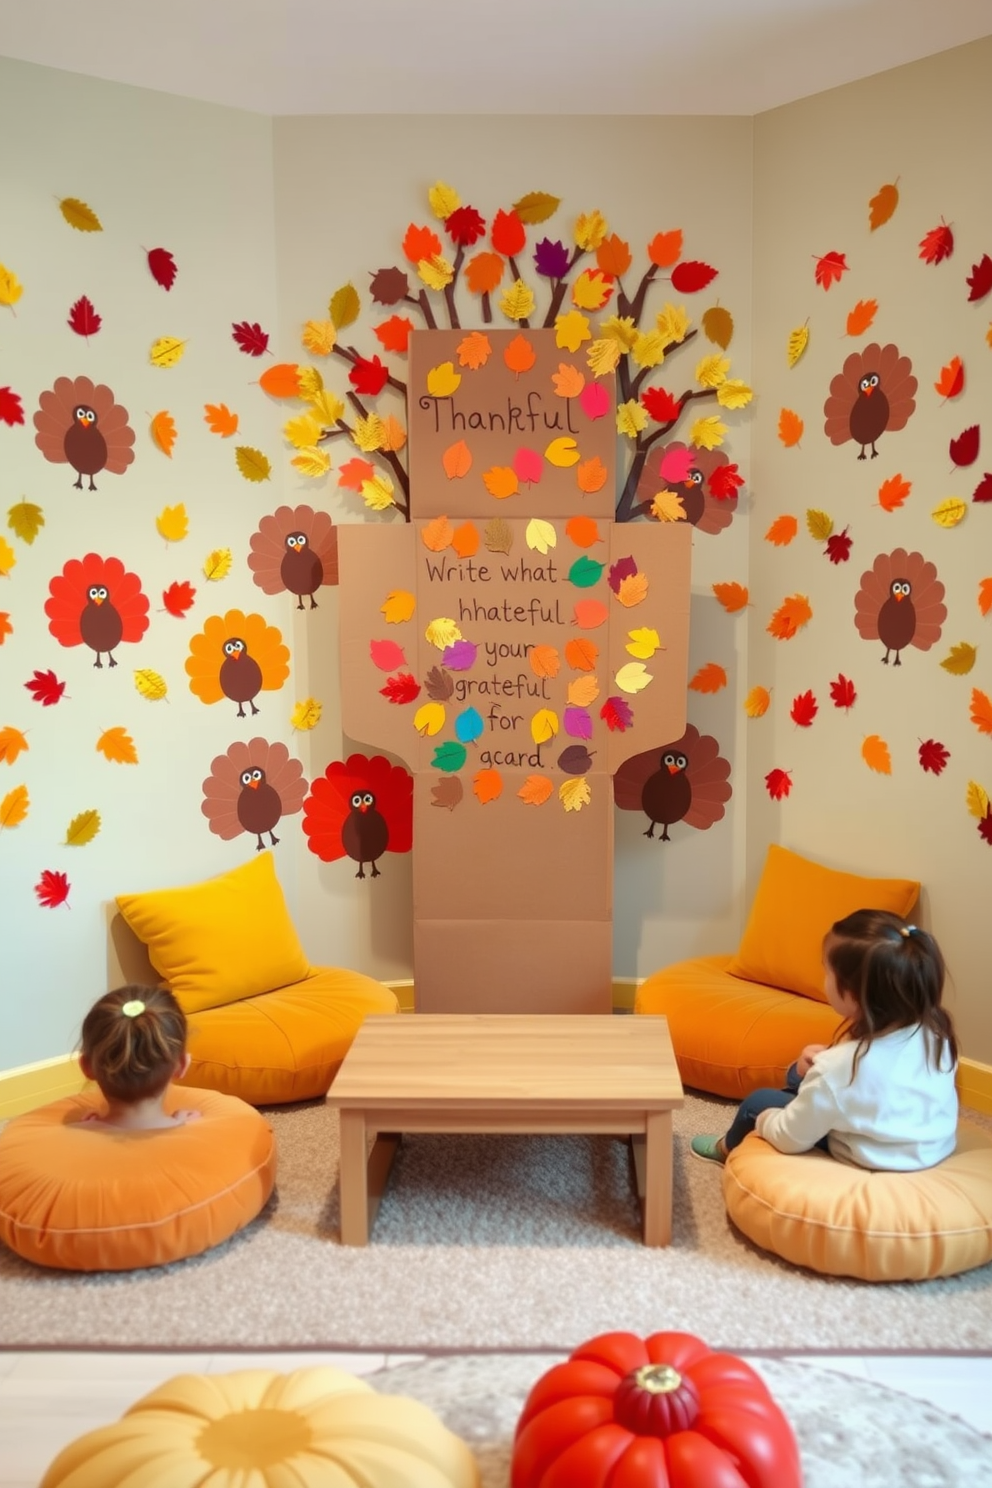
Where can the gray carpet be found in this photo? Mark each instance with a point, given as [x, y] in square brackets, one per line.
[848, 1430]
[487, 1242]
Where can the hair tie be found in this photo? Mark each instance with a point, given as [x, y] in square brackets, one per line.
[907, 930]
[133, 1009]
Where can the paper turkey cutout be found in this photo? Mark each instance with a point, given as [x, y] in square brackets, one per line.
[360, 808]
[900, 603]
[686, 781]
[872, 395]
[251, 788]
[81, 425]
[295, 551]
[96, 602]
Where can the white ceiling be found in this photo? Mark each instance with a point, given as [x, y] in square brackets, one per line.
[488, 56]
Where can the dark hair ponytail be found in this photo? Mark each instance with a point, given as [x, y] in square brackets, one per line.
[132, 1040]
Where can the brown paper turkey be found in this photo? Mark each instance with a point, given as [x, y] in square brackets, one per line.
[295, 551]
[689, 473]
[250, 789]
[79, 424]
[96, 602]
[900, 603]
[236, 656]
[687, 781]
[875, 394]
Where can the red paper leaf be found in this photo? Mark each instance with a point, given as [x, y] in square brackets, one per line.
[508, 234]
[724, 482]
[386, 655]
[830, 268]
[353, 472]
[45, 688]
[83, 318]
[178, 598]
[983, 491]
[465, 226]
[933, 756]
[11, 408]
[369, 376]
[964, 449]
[394, 333]
[52, 889]
[804, 709]
[618, 714]
[660, 405]
[937, 245]
[979, 281]
[985, 826]
[951, 379]
[778, 783]
[251, 339]
[691, 276]
[838, 548]
[401, 689]
[842, 692]
[162, 266]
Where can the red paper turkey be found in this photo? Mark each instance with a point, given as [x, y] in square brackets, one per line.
[685, 781]
[95, 602]
[900, 603]
[79, 424]
[360, 808]
[688, 472]
[250, 788]
[873, 395]
[295, 550]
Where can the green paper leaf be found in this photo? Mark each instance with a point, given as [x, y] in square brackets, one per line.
[450, 756]
[585, 572]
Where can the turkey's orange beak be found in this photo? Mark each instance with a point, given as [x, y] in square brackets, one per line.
[254, 784]
[899, 597]
[363, 808]
[673, 769]
[869, 391]
[97, 599]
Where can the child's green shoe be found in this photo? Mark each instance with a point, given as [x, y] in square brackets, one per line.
[708, 1149]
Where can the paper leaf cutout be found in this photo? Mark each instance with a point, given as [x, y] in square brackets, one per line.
[487, 785]
[732, 596]
[709, 678]
[11, 407]
[535, 207]
[460, 655]
[568, 380]
[437, 534]
[79, 215]
[574, 794]
[583, 691]
[583, 531]
[25, 521]
[577, 723]
[937, 244]
[8, 558]
[782, 531]
[977, 799]
[617, 714]
[150, 685]
[387, 655]
[498, 536]
[52, 889]
[757, 702]
[797, 343]
[45, 688]
[951, 380]
[790, 428]
[249, 337]
[979, 281]
[163, 431]
[960, 659]
[535, 790]
[691, 276]
[562, 453]
[447, 793]
[582, 655]
[399, 606]
[457, 460]
[528, 465]
[475, 349]
[861, 317]
[11, 288]
[665, 248]
[439, 685]
[162, 267]
[217, 565]
[830, 268]
[6, 628]
[450, 756]
[83, 318]
[254, 466]
[469, 725]
[575, 760]
[82, 829]
[804, 709]
[981, 711]
[345, 304]
[541, 535]
[633, 590]
[983, 491]
[172, 523]
[875, 753]
[964, 449]
[819, 524]
[544, 661]
[166, 351]
[718, 326]
[893, 492]
[633, 677]
[220, 420]
[282, 380]
[985, 595]
[950, 512]
[933, 756]
[544, 725]
[443, 380]
[465, 540]
[442, 632]
[882, 205]
[642, 643]
[117, 746]
[429, 719]
[306, 715]
[501, 481]
[842, 693]
[778, 784]
[589, 614]
[403, 688]
[178, 598]
[519, 355]
[14, 807]
[790, 617]
[12, 743]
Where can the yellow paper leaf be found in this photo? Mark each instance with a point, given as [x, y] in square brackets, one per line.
[82, 829]
[444, 200]
[718, 326]
[166, 351]
[673, 323]
[603, 357]
[79, 215]
[312, 462]
[541, 535]
[369, 434]
[621, 329]
[443, 380]
[400, 606]
[590, 230]
[172, 523]
[950, 512]
[643, 643]
[442, 633]
[960, 660]
[344, 306]
[150, 685]
[327, 407]
[535, 790]
[707, 433]
[712, 371]
[11, 288]
[319, 337]
[648, 349]
[798, 341]
[633, 677]
[306, 715]
[875, 753]
[14, 807]
[309, 383]
[574, 794]
[8, 557]
[733, 597]
[709, 678]
[568, 380]
[378, 493]
[12, 743]
[632, 417]
[518, 302]
[457, 460]
[474, 350]
[667, 507]
[544, 726]
[429, 719]
[217, 565]
[571, 331]
[734, 394]
[437, 534]
[116, 745]
[563, 453]
[303, 432]
[819, 524]
[583, 691]
[436, 272]
[633, 590]
[25, 521]
[977, 799]
[591, 290]
[254, 466]
[757, 702]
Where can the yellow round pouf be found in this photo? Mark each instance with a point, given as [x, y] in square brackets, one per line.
[314, 1428]
[848, 1221]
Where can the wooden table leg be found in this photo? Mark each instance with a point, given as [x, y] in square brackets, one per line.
[353, 1179]
[658, 1179]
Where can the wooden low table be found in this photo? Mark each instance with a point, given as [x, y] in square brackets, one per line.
[519, 1074]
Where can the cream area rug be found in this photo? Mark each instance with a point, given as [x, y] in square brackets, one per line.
[487, 1242]
[849, 1430]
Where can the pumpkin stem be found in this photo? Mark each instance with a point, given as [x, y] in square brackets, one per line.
[655, 1400]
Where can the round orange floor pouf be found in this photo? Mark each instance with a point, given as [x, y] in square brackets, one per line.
[646, 1412]
[314, 1428]
[81, 1198]
[843, 1220]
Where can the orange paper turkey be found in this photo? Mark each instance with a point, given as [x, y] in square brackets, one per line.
[684, 781]
[236, 656]
[95, 602]
[900, 603]
[80, 424]
[251, 788]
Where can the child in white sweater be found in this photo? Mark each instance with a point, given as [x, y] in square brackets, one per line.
[883, 1094]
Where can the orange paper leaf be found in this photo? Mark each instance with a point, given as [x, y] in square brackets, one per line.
[985, 596]
[12, 743]
[465, 540]
[482, 275]
[474, 350]
[709, 678]
[220, 419]
[568, 380]
[591, 475]
[583, 531]
[281, 381]
[981, 711]
[790, 427]
[520, 355]
[665, 248]
[164, 432]
[14, 807]
[544, 661]
[420, 243]
[437, 535]
[394, 333]
[582, 655]
[613, 256]
[893, 492]
[501, 481]
[733, 597]
[792, 614]
[951, 380]
[633, 590]
[457, 460]
[535, 790]
[861, 317]
[487, 785]
[782, 531]
[882, 205]
[589, 613]
[354, 473]
[875, 753]
[116, 745]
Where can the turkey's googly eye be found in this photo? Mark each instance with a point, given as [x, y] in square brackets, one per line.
[356, 799]
[256, 774]
[873, 379]
[681, 761]
[695, 478]
[245, 777]
[668, 759]
[93, 592]
[905, 587]
[368, 799]
[102, 591]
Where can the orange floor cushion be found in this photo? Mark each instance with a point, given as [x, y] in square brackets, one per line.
[80, 1198]
[732, 1036]
[843, 1220]
[285, 1045]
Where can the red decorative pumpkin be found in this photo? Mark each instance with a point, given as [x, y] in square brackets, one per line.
[658, 1412]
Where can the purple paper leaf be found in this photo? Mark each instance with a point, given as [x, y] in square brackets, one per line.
[577, 723]
[460, 655]
[624, 568]
[551, 259]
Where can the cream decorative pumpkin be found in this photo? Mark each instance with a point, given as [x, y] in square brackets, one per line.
[316, 1428]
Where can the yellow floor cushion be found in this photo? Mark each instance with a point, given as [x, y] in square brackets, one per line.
[284, 1045]
[81, 1198]
[732, 1036]
[847, 1221]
